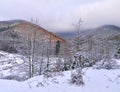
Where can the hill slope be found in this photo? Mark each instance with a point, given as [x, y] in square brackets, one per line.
[17, 34]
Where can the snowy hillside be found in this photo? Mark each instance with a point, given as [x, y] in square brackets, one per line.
[12, 66]
[95, 81]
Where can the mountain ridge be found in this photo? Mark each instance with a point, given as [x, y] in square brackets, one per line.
[98, 31]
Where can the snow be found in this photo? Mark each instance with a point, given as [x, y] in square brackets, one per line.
[11, 65]
[14, 58]
[118, 61]
[95, 81]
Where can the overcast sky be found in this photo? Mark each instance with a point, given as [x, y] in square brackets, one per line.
[60, 15]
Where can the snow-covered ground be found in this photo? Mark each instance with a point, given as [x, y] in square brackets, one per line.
[12, 66]
[96, 80]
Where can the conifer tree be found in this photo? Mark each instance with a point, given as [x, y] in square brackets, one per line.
[57, 48]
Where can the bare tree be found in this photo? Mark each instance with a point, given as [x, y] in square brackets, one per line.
[78, 43]
[77, 38]
[29, 56]
[31, 53]
[31, 48]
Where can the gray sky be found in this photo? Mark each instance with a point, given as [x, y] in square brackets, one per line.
[60, 15]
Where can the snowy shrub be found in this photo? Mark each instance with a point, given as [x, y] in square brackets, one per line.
[47, 74]
[59, 66]
[77, 77]
[53, 74]
[105, 64]
[6, 47]
[57, 74]
[88, 63]
[117, 56]
[15, 77]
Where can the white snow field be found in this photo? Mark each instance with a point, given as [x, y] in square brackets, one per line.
[96, 80]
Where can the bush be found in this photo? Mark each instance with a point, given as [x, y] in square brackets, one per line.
[47, 74]
[53, 74]
[77, 77]
[15, 77]
[8, 48]
[105, 64]
[59, 66]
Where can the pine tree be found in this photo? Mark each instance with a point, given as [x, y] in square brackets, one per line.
[57, 48]
[118, 52]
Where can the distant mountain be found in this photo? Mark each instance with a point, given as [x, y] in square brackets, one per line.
[110, 27]
[24, 27]
[10, 22]
[66, 34]
[16, 34]
[99, 32]
[102, 32]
